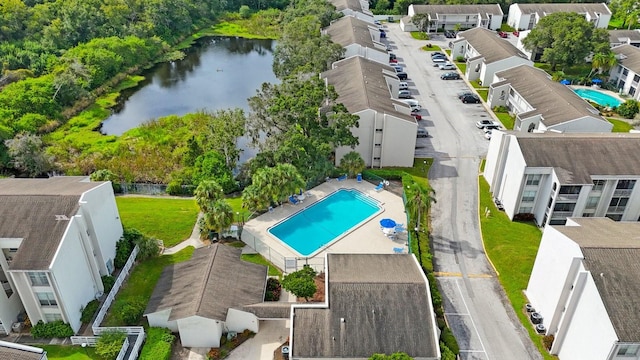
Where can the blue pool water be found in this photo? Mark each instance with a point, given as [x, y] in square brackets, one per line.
[598, 97]
[310, 229]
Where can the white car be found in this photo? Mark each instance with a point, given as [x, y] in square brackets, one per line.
[446, 66]
[403, 85]
[413, 104]
[487, 134]
[486, 123]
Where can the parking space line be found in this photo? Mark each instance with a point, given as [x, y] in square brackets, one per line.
[458, 274]
[472, 322]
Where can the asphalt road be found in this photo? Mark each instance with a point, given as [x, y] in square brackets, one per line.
[475, 304]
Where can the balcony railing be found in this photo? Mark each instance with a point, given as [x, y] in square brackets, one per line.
[561, 214]
[622, 192]
[567, 197]
[616, 209]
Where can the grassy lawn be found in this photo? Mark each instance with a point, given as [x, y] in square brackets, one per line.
[168, 219]
[507, 120]
[259, 259]
[616, 24]
[576, 70]
[142, 280]
[236, 205]
[431, 48]
[462, 66]
[476, 84]
[68, 352]
[419, 35]
[620, 125]
[512, 247]
[484, 94]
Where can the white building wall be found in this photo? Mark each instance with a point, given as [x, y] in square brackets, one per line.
[398, 142]
[471, 73]
[494, 157]
[365, 133]
[161, 319]
[197, 331]
[510, 184]
[498, 95]
[239, 321]
[10, 306]
[617, 77]
[27, 296]
[103, 221]
[76, 277]
[515, 19]
[378, 55]
[495, 22]
[583, 125]
[590, 334]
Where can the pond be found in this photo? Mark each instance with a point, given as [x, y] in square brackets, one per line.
[216, 73]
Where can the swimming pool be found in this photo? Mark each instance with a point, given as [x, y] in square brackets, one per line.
[598, 97]
[309, 230]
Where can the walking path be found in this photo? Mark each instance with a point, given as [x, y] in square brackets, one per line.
[193, 240]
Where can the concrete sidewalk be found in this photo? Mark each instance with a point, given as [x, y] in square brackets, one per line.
[193, 240]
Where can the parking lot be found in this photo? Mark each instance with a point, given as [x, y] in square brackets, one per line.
[476, 307]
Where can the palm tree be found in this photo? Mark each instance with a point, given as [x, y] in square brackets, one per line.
[288, 180]
[219, 217]
[419, 199]
[352, 163]
[207, 193]
[603, 62]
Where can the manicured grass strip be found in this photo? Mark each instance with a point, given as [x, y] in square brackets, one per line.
[484, 94]
[69, 352]
[419, 35]
[259, 259]
[507, 120]
[512, 247]
[620, 125]
[168, 219]
[462, 66]
[142, 280]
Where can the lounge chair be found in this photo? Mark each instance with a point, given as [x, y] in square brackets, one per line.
[398, 250]
[359, 178]
[301, 196]
[342, 177]
[380, 186]
[294, 200]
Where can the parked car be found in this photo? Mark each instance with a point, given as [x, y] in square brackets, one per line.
[383, 34]
[484, 123]
[464, 93]
[437, 61]
[377, 22]
[446, 66]
[392, 56]
[403, 85]
[471, 98]
[503, 34]
[440, 56]
[450, 76]
[416, 116]
[402, 75]
[393, 61]
[422, 133]
[449, 34]
[516, 33]
[437, 53]
[415, 106]
[493, 127]
[404, 94]
[396, 67]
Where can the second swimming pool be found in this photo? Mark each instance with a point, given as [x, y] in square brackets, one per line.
[598, 97]
[324, 222]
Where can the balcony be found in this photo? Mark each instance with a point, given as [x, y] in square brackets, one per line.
[622, 192]
[567, 197]
[616, 209]
[561, 214]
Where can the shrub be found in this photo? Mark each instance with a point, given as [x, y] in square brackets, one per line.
[158, 344]
[301, 282]
[110, 343]
[89, 310]
[131, 311]
[449, 340]
[54, 329]
[123, 250]
[148, 248]
[628, 109]
[447, 354]
[500, 109]
[524, 217]
[548, 341]
[274, 289]
[107, 283]
[460, 59]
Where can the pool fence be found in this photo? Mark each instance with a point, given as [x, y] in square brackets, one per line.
[287, 264]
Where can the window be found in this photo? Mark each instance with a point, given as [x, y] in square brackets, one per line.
[46, 299]
[618, 202]
[592, 202]
[564, 207]
[554, 187]
[636, 78]
[598, 184]
[587, 215]
[615, 217]
[52, 317]
[570, 190]
[378, 130]
[525, 210]
[628, 350]
[38, 279]
[550, 202]
[625, 72]
[533, 179]
[625, 184]
[632, 91]
[528, 196]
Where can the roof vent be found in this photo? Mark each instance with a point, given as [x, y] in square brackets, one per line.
[61, 217]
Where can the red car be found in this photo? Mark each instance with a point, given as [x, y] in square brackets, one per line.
[503, 34]
[516, 33]
[393, 61]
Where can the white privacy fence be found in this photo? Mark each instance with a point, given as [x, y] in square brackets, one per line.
[137, 331]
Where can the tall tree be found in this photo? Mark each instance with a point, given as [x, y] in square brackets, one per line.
[563, 38]
[28, 155]
[603, 62]
[218, 217]
[352, 163]
[272, 185]
[207, 193]
[223, 130]
[418, 203]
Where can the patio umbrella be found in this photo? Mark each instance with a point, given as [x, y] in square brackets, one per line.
[387, 223]
[596, 81]
[565, 82]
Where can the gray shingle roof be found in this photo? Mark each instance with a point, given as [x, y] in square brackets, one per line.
[361, 85]
[435, 11]
[270, 310]
[628, 56]
[8, 352]
[577, 156]
[349, 30]
[580, 8]
[28, 209]
[207, 285]
[619, 36]
[612, 248]
[384, 302]
[492, 47]
[556, 103]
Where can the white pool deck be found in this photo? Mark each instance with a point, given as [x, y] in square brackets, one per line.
[366, 238]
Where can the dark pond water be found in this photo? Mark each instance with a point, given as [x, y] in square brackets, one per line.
[217, 73]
